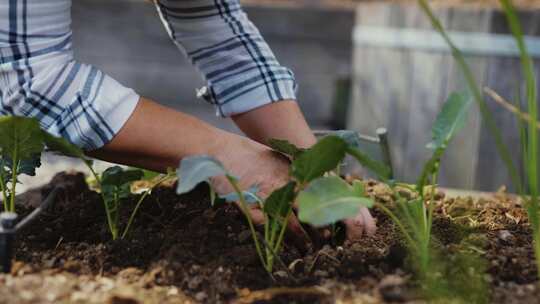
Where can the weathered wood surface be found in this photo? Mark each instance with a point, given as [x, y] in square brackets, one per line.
[403, 89]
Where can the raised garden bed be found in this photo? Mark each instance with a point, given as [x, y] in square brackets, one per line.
[181, 249]
[194, 247]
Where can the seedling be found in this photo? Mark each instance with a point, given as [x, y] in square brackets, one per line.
[21, 146]
[115, 184]
[154, 179]
[319, 205]
[308, 167]
[20, 151]
[415, 216]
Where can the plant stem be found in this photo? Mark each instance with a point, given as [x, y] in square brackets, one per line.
[107, 212]
[510, 107]
[398, 222]
[114, 216]
[275, 245]
[245, 210]
[141, 199]
[282, 232]
[272, 238]
[15, 166]
[3, 186]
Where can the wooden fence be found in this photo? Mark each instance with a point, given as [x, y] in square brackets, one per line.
[403, 73]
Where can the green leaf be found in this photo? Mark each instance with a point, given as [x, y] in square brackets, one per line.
[319, 159]
[116, 176]
[195, 170]
[250, 196]
[359, 187]
[285, 147]
[330, 199]
[450, 120]
[21, 136]
[61, 145]
[26, 166]
[350, 137]
[277, 205]
[149, 174]
[380, 169]
[115, 185]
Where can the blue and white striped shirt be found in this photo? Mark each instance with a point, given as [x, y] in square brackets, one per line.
[40, 78]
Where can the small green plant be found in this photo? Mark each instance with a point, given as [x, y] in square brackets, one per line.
[530, 189]
[115, 186]
[329, 199]
[21, 146]
[20, 152]
[308, 167]
[414, 216]
[153, 180]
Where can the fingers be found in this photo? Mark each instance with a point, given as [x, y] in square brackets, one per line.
[256, 214]
[362, 223]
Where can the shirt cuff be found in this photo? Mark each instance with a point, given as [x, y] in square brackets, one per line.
[248, 92]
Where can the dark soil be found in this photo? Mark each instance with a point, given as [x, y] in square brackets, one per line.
[207, 253]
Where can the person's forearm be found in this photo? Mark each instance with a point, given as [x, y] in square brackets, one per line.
[157, 138]
[280, 120]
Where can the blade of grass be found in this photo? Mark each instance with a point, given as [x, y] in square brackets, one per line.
[532, 107]
[478, 97]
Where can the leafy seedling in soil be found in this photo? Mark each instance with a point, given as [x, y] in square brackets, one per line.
[21, 146]
[20, 151]
[527, 132]
[114, 183]
[153, 179]
[115, 186]
[414, 217]
[307, 166]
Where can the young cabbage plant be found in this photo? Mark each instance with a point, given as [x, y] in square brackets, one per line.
[308, 166]
[530, 188]
[115, 186]
[325, 199]
[414, 217]
[153, 180]
[20, 153]
[21, 146]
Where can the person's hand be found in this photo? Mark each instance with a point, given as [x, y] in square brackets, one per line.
[362, 223]
[256, 164]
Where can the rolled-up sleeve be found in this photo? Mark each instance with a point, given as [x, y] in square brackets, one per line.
[241, 71]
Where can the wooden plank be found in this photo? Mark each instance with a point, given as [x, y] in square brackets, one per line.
[458, 168]
[425, 98]
[505, 77]
[378, 94]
